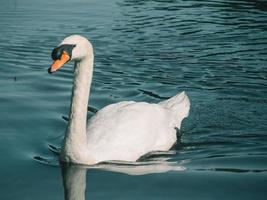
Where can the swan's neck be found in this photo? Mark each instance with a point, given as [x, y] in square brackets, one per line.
[83, 72]
[75, 144]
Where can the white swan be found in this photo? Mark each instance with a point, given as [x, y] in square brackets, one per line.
[122, 131]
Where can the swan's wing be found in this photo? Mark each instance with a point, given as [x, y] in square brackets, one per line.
[130, 130]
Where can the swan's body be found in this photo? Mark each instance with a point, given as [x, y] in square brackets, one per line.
[121, 131]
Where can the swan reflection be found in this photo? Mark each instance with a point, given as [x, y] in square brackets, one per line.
[74, 181]
[74, 176]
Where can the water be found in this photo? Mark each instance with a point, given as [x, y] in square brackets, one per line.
[145, 51]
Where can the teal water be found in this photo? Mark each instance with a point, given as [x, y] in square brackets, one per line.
[145, 51]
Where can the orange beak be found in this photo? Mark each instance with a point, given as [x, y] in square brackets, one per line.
[60, 62]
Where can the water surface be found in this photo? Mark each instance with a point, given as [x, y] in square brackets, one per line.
[144, 51]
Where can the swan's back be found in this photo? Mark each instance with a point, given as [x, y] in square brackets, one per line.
[128, 130]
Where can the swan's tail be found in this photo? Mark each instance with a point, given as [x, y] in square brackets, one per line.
[180, 105]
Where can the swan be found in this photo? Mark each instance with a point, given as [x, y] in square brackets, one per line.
[123, 131]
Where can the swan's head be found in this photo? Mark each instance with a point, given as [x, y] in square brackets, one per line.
[74, 48]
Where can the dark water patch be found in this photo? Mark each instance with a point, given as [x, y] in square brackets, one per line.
[65, 118]
[233, 170]
[151, 94]
[209, 143]
[46, 161]
[54, 149]
[92, 109]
